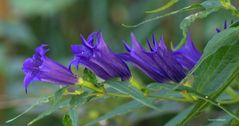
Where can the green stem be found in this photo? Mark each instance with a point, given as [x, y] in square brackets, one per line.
[77, 92]
[233, 94]
[138, 86]
[117, 94]
[89, 85]
[168, 98]
[220, 106]
[231, 101]
[207, 100]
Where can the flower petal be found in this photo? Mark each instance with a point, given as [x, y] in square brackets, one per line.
[81, 51]
[102, 61]
[27, 80]
[42, 68]
[188, 55]
[136, 46]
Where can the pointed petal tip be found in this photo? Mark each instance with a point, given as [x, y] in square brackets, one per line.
[127, 47]
[154, 40]
[135, 43]
[26, 84]
[151, 47]
[27, 80]
[162, 44]
[189, 42]
[153, 36]
[132, 34]
[82, 37]
[42, 49]
[85, 42]
[44, 45]
[94, 35]
[161, 39]
[133, 38]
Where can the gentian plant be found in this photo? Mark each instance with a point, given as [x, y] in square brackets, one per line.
[182, 74]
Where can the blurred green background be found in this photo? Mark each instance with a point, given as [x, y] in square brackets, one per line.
[25, 24]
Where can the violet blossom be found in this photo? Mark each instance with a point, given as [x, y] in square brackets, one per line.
[44, 69]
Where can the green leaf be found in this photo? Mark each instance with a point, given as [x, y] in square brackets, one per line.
[235, 122]
[58, 100]
[155, 88]
[179, 118]
[207, 99]
[78, 100]
[219, 62]
[38, 102]
[167, 5]
[218, 67]
[228, 6]
[126, 88]
[188, 8]
[187, 21]
[190, 91]
[165, 91]
[52, 109]
[235, 24]
[67, 120]
[120, 110]
[74, 116]
[89, 76]
[166, 107]
[31, 7]
[223, 120]
[75, 102]
[208, 4]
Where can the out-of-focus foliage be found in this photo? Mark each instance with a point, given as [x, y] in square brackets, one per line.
[207, 96]
[40, 7]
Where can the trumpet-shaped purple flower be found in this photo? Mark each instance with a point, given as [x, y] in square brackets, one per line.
[159, 63]
[94, 54]
[41, 68]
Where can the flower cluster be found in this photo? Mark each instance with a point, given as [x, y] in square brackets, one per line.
[159, 63]
[94, 54]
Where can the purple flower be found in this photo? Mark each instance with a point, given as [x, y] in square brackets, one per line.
[159, 63]
[94, 54]
[188, 55]
[41, 68]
